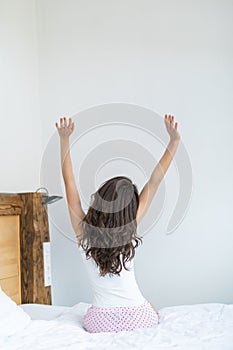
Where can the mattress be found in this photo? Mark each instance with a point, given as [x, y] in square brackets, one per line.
[185, 327]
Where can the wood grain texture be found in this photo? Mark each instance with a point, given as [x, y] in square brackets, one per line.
[11, 287]
[34, 230]
[10, 204]
[10, 277]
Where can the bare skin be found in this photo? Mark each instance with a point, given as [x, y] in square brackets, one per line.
[149, 190]
[76, 211]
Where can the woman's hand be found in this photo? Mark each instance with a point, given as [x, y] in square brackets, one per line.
[172, 127]
[65, 129]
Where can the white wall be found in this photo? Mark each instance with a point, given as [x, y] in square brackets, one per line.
[170, 56]
[20, 129]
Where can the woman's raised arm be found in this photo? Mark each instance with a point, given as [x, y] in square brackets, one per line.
[65, 129]
[150, 188]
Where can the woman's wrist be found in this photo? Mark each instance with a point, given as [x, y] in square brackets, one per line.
[173, 145]
[64, 139]
[174, 140]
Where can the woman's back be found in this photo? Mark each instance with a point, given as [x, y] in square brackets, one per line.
[108, 241]
[114, 290]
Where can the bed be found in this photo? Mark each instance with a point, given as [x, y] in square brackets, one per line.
[188, 327]
[33, 325]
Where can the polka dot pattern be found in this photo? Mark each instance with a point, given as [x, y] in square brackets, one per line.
[116, 319]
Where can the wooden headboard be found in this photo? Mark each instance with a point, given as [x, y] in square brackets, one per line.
[23, 229]
[10, 256]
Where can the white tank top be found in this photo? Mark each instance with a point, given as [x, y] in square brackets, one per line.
[115, 290]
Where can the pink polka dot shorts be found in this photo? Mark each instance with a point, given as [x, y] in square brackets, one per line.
[116, 319]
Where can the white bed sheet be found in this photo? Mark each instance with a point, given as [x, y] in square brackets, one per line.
[44, 312]
[186, 327]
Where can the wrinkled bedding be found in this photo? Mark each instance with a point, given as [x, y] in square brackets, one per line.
[187, 327]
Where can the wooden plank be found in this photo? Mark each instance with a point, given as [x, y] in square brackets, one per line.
[8, 270]
[11, 287]
[34, 231]
[10, 204]
[9, 252]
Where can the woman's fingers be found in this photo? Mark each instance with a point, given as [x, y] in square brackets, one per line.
[71, 124]
[64, 122]
[169, 119]
[172, 121]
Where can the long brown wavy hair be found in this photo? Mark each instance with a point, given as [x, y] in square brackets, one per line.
[109, 229]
